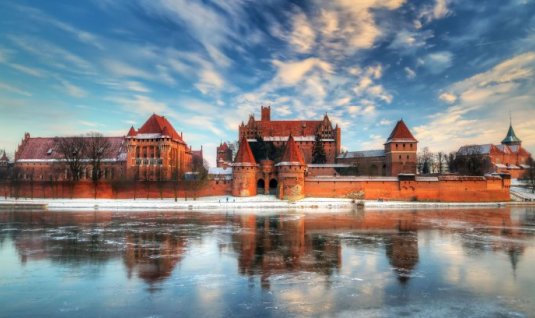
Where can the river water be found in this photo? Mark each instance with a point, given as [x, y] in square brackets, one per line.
[372, 263]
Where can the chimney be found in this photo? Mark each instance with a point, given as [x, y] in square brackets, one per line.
[266, 113]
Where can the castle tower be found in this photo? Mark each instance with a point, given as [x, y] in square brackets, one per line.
[224, 155]
[400, 150]
[265, 113]
[291, 172]
[244, 171]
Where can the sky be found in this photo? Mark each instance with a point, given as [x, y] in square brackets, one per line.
[454, 70]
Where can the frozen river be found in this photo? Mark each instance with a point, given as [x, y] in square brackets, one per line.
[454, 262]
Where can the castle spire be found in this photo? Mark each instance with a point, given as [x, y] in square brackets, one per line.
[511, 138]
[245, 154]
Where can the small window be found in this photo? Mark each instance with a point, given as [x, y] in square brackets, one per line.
[49, 152]
[399, 157]
[407, 157]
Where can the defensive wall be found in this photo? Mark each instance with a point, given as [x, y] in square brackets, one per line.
[402, 188]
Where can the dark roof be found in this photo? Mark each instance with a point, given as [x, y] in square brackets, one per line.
[511, 138]
[244, 155]
[401, 133]
[362, 154]
[45, 149]
[292, 153]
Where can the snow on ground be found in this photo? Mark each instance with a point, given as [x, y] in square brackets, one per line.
[225, 203]
[522, 193]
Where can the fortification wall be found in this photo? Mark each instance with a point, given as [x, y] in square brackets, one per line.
[460, 190]
[107, 190]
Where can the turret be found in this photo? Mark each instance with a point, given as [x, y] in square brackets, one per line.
[244, 171]
[400, 150]
[292, 172]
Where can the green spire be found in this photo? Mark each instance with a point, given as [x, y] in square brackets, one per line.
[511, 138]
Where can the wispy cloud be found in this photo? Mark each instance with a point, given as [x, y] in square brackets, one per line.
[13, 89]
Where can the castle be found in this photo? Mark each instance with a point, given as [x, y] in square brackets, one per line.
[290, 159]
[508, 157]
[156, 151]
[267, 171]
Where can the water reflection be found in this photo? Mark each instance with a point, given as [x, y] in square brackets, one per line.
[402, 246]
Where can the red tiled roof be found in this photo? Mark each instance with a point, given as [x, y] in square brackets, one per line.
[244, 155]
[131, 132]
[4, 157]
[289, 127]
[401, 131]
[223, 147]
[38, 149]
[292, 153]
[159, 125]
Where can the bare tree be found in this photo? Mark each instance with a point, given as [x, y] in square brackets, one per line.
[96, 148]
[473, 162]
[425, 161]
[72, 151]
[176, 176]
[4, 179]
[199, 175]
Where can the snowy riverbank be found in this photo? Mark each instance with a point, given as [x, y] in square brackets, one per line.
[260, 202]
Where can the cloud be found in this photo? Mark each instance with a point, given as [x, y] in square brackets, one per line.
[448, 97]
[437, 11]
[52, 54]
[290, 73]
[72, 89]
[303, 35]
[437, 62]
[141, 105]
[13, 89]
[409, 73]
[209, 80]
[477, 114]
[136, 87]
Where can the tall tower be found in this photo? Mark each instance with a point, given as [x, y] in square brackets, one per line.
[265, 113]
[244, 171]
[224, 155]
[400, 150]
[291, 172]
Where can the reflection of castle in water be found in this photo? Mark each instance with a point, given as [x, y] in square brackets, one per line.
[269, 245]
[151, 245]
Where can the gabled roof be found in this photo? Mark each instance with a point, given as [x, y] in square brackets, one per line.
[401, 133]
[159, 125]
[292, 154]
[511, 138]
[244, 155]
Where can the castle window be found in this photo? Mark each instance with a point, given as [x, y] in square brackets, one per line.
[396, 146]
[399, 157]
[407, 157]
[411, 145]
[49, 152]
[403, 145]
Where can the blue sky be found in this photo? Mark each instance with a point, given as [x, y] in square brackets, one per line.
[452, 69]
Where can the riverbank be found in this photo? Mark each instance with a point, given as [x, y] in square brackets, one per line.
[231, 203]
